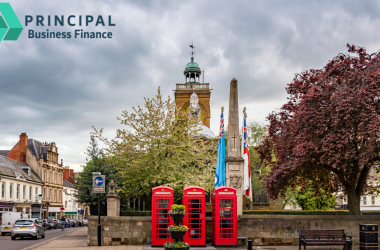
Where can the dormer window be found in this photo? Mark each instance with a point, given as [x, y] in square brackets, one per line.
[27, 170]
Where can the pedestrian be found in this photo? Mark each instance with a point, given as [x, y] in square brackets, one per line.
[63, 222]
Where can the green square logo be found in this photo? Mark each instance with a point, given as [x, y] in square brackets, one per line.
[10, 26]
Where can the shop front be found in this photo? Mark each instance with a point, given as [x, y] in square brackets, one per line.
[71, 215]
[36, 211]
[54, 212]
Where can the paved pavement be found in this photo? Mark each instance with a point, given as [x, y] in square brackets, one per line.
[27, 243]
[76, 238]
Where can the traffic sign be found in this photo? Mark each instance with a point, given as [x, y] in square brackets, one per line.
[98, 183]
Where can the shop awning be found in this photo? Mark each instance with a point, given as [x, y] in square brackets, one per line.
[68, 213]
[7, 204]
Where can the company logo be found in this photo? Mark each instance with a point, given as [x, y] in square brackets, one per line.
[10, 26]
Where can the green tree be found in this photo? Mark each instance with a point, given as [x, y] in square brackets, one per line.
[159, 147]
[95, 163]
[256, 133]
[309, 201]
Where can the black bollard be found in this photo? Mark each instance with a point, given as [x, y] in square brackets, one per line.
[249, 245]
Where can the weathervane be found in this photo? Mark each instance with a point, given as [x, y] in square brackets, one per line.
[192, 51]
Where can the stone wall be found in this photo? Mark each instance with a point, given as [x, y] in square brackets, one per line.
[262, 229]
[121, 230]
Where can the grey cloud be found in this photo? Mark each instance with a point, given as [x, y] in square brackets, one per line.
[56, 90]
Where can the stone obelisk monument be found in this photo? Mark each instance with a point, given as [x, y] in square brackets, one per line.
[234, 161]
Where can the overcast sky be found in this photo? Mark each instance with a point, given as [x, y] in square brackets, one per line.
[55, 90]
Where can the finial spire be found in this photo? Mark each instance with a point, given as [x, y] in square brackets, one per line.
[192, 51]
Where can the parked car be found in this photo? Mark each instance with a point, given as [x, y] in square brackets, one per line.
[80, 223]
[53, 223]
[28, 228]
[85, 222]
[58, 223]
[73, 223]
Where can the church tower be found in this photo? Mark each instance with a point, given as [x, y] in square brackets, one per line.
[192, 85]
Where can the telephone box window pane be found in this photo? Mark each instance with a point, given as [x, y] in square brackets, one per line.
[226, 201]
[195, 205]
[194, 225]
[226, 205]
[225, 221]
[162, 216]
[226, 216]
[162, 211]
[163, 226]
[163, 221]
[225, 211]
[194, 216]
[162, 205]
[163, 201]
[195, 201]
[195, 211]
[226, 225]
[193, 221]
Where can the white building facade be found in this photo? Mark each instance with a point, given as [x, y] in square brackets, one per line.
[19, 188]
[69, 202]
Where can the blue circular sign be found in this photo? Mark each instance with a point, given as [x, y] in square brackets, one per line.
[98, 181]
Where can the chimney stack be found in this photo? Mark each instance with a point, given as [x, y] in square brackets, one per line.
[23, 145]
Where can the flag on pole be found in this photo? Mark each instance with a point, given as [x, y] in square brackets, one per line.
[220, 174]
[245, 154]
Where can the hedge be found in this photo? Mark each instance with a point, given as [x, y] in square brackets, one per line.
[135, 213]
[308, 212]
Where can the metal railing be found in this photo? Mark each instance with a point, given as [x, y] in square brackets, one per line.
[192, 86]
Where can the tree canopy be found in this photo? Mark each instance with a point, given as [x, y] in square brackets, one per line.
[159, 146]
[329, 129]
[307, 199]
[95, 163]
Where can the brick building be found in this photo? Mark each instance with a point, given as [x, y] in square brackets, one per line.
[43, 159]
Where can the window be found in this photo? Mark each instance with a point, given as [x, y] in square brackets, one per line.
[364, 200]
[18, 192]
[11, 190]
[50, 176]
[44, 175]
[60, 195]
[60, 179]
[74, 206]
[65, 204]
[3, 190]
[55, 178]
[36, 192]
[373, 200]
[44, 194]
[24, 192]
[30, 193]
[49, 194]
[55, 195]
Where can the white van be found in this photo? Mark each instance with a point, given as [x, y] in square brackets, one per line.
[8, 219]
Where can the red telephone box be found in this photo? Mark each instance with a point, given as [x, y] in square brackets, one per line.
[194, 201]
[224, 216]
[162, 200]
